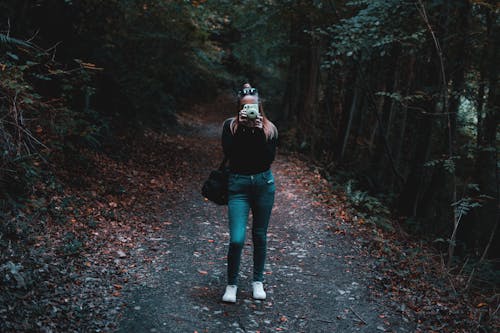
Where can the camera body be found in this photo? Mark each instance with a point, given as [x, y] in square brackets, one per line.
[252, 110]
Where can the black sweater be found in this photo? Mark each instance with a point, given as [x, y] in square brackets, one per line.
[248, 150]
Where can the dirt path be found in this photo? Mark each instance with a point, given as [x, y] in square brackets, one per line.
[315, 278]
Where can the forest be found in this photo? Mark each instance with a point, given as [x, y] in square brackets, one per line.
[395, 103]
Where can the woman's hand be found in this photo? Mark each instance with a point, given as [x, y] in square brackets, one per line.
[258, 122]
[243, 119]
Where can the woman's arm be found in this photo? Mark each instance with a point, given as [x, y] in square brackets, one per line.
[270, 150]
[227, 138]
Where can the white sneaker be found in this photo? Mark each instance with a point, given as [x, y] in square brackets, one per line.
[230, 294]
[258, 290]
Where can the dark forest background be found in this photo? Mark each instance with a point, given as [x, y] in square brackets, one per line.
[396, 101]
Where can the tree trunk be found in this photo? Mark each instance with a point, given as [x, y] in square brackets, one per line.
[298, 75]
[293, 92]
[352, 110]
[428, 76]
[308, 117]
[486, 164]
[400, 140]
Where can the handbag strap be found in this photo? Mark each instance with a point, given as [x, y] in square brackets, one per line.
[223, 163]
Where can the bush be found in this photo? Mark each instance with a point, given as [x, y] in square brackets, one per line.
[36, 117]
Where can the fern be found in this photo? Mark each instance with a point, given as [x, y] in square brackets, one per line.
[4, 39]
[464, 206]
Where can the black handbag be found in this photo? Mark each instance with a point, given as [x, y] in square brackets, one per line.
[215, 187]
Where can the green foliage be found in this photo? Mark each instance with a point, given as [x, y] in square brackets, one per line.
[464, 206]
[370, 208]
[155, 52]
[4, 39]
[255, 42]
[151, 58]
[372, 31]
[447, 164]
[34, 127]
[396, 96]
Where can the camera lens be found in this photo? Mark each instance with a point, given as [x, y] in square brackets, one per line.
[251, 114]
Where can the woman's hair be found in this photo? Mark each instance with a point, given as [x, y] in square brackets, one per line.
[269, 128]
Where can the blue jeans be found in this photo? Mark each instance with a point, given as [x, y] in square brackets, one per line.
[247, 192]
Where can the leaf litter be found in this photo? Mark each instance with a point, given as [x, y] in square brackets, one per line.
[84, 242]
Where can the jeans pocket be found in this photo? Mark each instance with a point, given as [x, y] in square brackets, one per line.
[269, 183]
[269, 178]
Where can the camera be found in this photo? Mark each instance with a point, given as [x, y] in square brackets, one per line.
[252, 110]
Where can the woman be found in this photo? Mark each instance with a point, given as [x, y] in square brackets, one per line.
[249, 142]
